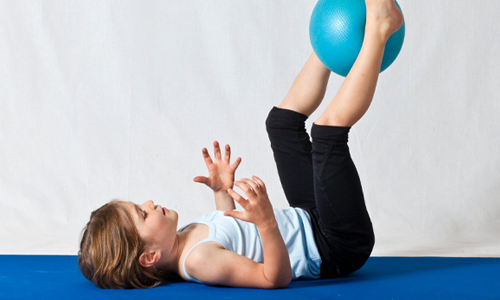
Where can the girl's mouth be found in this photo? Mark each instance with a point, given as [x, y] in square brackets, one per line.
[164, 211]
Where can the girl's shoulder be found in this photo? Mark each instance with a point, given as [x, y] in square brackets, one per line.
[196, 249]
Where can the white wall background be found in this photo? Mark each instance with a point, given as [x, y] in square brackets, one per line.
[116, 99]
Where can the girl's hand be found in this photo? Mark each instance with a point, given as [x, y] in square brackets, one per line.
[220, 173]
[258, 208]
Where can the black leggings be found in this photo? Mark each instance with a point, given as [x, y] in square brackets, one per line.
[320, 177]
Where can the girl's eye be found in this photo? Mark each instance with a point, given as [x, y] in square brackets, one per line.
[144, 214]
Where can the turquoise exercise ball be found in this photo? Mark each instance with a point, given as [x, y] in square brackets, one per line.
[337, 30]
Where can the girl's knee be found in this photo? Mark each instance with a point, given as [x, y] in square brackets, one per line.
[279, 118]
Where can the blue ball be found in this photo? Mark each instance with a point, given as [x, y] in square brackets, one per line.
[337, 30]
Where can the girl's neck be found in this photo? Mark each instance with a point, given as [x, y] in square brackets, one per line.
[170, 261]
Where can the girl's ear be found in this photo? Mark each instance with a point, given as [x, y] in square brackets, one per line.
[148, 259]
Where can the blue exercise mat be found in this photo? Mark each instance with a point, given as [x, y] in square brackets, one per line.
[58, 277]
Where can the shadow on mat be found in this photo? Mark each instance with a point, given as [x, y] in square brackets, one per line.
[382, 267]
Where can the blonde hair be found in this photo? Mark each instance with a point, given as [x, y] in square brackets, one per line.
[110, 248]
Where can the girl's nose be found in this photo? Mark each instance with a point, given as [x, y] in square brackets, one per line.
[149, 203]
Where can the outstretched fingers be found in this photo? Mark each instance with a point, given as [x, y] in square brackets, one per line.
[217, 153]
[236, 163]
[238, 198]
[201, 179]
[260, 183]
[227, 154]
[258, 208]
[251, 188]
[241, 215]
[206, 157]
[247, 186]
[234, 214]
[254, 187]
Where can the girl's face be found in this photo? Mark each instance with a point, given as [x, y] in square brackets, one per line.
[156, 225]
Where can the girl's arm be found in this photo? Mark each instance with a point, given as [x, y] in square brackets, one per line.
[210, 263]
[220, 177]
[217, 266]
[223, 201]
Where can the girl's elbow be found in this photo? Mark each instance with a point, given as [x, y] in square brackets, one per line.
[281, 283]
[287, 281]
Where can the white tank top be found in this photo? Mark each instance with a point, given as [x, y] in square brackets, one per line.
[243, 238]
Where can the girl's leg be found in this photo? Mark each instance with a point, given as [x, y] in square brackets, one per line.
[343, 217]
[383, 18]
[289, 140]
[309, 87]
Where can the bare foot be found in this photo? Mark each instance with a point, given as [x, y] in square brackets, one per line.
[383, 17]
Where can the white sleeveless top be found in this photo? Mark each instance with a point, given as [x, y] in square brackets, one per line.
[243, 238]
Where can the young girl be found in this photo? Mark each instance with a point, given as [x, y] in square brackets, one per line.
[325, 233]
